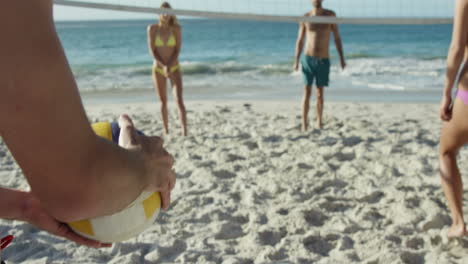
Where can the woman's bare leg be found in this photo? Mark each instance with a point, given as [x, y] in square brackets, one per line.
[177, 90]
[453, 136]
[160, 85]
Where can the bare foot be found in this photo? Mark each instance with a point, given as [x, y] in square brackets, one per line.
[457, 231]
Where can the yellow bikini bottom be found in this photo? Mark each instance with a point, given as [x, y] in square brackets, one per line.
[163, 72]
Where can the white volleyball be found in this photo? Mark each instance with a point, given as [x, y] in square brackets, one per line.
[123, 225]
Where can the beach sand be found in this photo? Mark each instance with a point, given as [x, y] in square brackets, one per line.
[252, 188]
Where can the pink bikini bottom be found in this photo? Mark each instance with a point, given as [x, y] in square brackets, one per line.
[463, 95]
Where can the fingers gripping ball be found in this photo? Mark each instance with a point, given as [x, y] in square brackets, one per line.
[127, 223]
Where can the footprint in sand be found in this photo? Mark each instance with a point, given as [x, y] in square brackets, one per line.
[334, 206]
[283, 211]
[321, 245]
[328, 141]
[206, 164]
[352, 228]
[352, 141]
[412, 258]
[412, 202]
[415, 243]
[271, 238]
[373, 215]
[346, 243]
[244, 136]
[195, 157]
[278, 255]
[438, 221]
[233, 157]
[275, 154]
[340, 156]
[272, 139]
[372, 198]
[251, 145]
[337, 184]
[224, 174]
[304, 166]
[229, 231]
[299, 138]
[315, 218]
[394, 239]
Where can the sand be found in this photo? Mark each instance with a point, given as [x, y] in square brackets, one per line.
[252, 188]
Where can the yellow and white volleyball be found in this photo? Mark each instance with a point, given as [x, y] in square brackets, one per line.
[123, 225]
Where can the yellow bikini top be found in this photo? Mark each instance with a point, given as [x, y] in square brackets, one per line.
[171, 41]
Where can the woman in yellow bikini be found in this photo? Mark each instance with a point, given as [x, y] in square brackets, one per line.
[164, 42]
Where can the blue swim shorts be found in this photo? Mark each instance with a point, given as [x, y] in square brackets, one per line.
[317, 69]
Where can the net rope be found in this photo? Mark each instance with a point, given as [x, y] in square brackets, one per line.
[401, 12]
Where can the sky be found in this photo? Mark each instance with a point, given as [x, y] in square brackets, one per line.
[344, 8]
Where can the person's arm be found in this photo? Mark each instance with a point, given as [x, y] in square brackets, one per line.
[18, 205]
[12, 203]
[299, 45]
[457, 46]
[74, 173]
[455, 55]
[176, 53]
[338, 44]
[153, 50]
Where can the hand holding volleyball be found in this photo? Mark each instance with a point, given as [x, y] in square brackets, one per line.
[159, 162]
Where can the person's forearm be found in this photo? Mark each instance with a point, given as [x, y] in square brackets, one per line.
[454, 60]
[12, 204]
[174, 57]
[114, 178]
[74, 173]
[299, 47]
[339, 48]
[159, 58]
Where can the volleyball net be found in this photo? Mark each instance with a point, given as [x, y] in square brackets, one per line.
[390, 45]
[350, 12]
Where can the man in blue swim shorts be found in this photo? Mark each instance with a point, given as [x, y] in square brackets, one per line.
[316, 61]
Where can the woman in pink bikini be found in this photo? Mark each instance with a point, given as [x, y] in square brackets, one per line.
[164, 43]
[455, 116]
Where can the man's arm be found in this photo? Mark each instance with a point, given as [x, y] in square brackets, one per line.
[74, 173]
[299, 44]
[152, 48]
[338, 43]
[457, 46]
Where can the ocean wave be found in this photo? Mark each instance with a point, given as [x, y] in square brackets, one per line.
[188, 68]
[228, 68]
[197, 69]
[361, 56]
[361, 64]
[396, 67]
[431, 58]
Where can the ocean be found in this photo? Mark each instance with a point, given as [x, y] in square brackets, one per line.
[228, 59]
